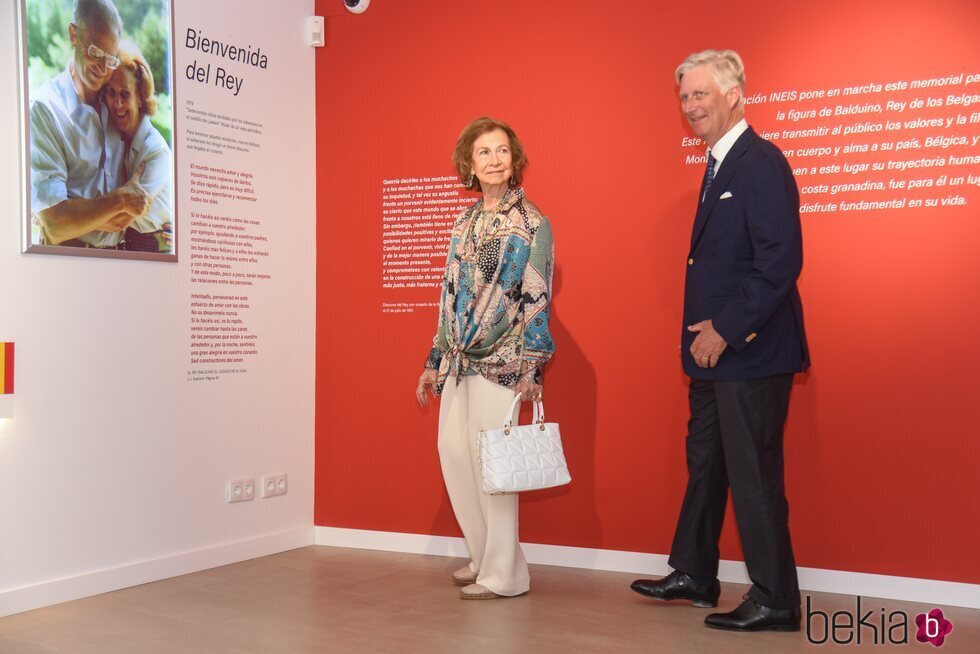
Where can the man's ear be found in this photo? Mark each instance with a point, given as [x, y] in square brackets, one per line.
[71, 34]
[733, 96]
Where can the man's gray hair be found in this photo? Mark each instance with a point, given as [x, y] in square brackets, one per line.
[726, 65]
[97, 14]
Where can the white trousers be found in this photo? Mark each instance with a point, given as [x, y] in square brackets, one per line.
[488, 522]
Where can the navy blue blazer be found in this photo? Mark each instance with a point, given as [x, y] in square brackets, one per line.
[746, 254]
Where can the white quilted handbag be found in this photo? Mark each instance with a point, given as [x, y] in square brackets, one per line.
[522, 457]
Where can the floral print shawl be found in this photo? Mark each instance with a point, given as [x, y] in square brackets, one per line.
[496, 293]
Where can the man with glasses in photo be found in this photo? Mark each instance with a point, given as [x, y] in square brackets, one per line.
[77, 196]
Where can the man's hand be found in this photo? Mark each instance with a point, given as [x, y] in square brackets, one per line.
[529, 391]
[112, 212]
[708, 344]
[427, 379]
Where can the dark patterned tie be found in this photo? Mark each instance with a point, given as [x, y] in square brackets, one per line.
[709, 176]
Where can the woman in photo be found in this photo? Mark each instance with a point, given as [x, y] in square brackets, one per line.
[493, 341]
[130, 97]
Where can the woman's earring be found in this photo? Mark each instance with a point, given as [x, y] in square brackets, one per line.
[469, 181]
[512, 181]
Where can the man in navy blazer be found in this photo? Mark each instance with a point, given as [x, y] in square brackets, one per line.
[743, 339]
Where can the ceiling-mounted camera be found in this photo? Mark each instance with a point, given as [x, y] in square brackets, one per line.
[357, 6]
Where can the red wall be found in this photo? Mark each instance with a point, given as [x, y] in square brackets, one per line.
[882, 440]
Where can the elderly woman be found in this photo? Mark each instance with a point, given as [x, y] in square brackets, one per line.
[493, 341]
[129, 96]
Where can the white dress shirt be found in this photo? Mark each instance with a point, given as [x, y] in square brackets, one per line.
[726, 142]
[72, 155]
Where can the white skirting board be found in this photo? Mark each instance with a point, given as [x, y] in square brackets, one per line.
[909, 589]
[56, 591]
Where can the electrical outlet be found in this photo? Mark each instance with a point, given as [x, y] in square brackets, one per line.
[241, 490]
[273, 485]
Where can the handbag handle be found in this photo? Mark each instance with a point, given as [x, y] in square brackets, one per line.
[537, 419]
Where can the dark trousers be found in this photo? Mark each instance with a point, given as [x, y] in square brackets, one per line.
[735, 438]
[136, 241]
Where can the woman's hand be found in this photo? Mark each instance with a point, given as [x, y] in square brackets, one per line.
[132, 197]
[117, 223]
[529, 391]
[428, 378]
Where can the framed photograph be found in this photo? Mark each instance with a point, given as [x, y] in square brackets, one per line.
[98, 124]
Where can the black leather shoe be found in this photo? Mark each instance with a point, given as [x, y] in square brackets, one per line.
[752, 616]
[678, 585]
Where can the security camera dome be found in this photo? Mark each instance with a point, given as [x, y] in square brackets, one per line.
[357, 6]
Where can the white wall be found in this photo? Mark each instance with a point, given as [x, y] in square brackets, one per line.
[113, 468]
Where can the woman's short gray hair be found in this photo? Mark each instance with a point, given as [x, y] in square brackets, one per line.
[725, 64]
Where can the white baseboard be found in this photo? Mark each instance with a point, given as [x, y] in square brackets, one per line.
[928, 591]
[55, 591]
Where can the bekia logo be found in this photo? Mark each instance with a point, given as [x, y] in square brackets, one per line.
[878, 628]
[932, 627]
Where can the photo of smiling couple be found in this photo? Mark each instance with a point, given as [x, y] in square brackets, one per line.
[101, 174]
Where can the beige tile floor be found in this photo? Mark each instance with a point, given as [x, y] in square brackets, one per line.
[326, 599]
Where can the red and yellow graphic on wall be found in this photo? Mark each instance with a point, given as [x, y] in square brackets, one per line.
[6, 368]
